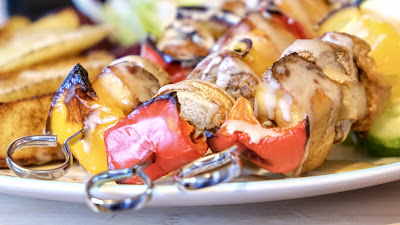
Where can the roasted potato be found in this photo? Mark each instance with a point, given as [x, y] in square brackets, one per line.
[21, 118]
[46, 78]
[65, 19]
[25, 50]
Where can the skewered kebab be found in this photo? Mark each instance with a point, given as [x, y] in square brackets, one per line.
[204, 127]
[80, 104]
[200, 30]
[202, 123]
[305, 129]
[304, 132]
[161, 128]
[125, 110]
[122, 99]
[188, 39]
[321, 86]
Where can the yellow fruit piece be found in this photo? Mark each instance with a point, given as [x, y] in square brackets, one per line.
[258, 59]
[381, 35]
[387, 9]
[383, 38]
[336, 20]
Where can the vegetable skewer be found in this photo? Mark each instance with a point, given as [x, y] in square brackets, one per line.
[333, 69]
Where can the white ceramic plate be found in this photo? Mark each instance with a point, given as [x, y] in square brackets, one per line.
[255, 185]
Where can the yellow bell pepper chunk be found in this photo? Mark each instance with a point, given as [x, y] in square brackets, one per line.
[90, 151]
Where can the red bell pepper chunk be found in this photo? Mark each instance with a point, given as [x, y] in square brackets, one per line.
[291, 25]
[174, 69]
[154, 127]
[279, 153]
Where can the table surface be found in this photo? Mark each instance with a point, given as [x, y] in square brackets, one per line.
[374, 205]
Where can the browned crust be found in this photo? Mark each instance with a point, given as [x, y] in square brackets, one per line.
[377, 87]
[30, 160]
[323, 113]
[21, 118]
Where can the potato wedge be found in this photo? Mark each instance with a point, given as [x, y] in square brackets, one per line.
[46, 78]
[64, 19]
[14, 24]
[21, 118]
[25, 50]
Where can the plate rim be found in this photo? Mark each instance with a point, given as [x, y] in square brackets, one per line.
[222, 194]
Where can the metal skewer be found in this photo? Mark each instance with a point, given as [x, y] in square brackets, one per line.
[39, 141]
[99, 204]
[214, 169]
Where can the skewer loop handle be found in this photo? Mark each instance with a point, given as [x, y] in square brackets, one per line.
[211, 170]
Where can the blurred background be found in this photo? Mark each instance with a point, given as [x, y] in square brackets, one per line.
[30, 8]
[33, 8]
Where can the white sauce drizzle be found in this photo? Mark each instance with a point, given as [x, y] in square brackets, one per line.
[213, 110]
[215, 60]
[285, 105]
[303, 77]
[90, 124]
[226, 69]
[270, 87]
[223, 79]
[325, 59]
[255, 132]
[173, 87]
[340, 40]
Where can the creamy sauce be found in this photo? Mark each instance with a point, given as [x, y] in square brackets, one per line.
[216, 59]
[285, 104]
[325, 58]
[90, 124]
[304, 82]
[226, 70]
[340, 40]
[174, 87]
[255, 132]
[212, 112]
[270, 87]
[223, 79]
